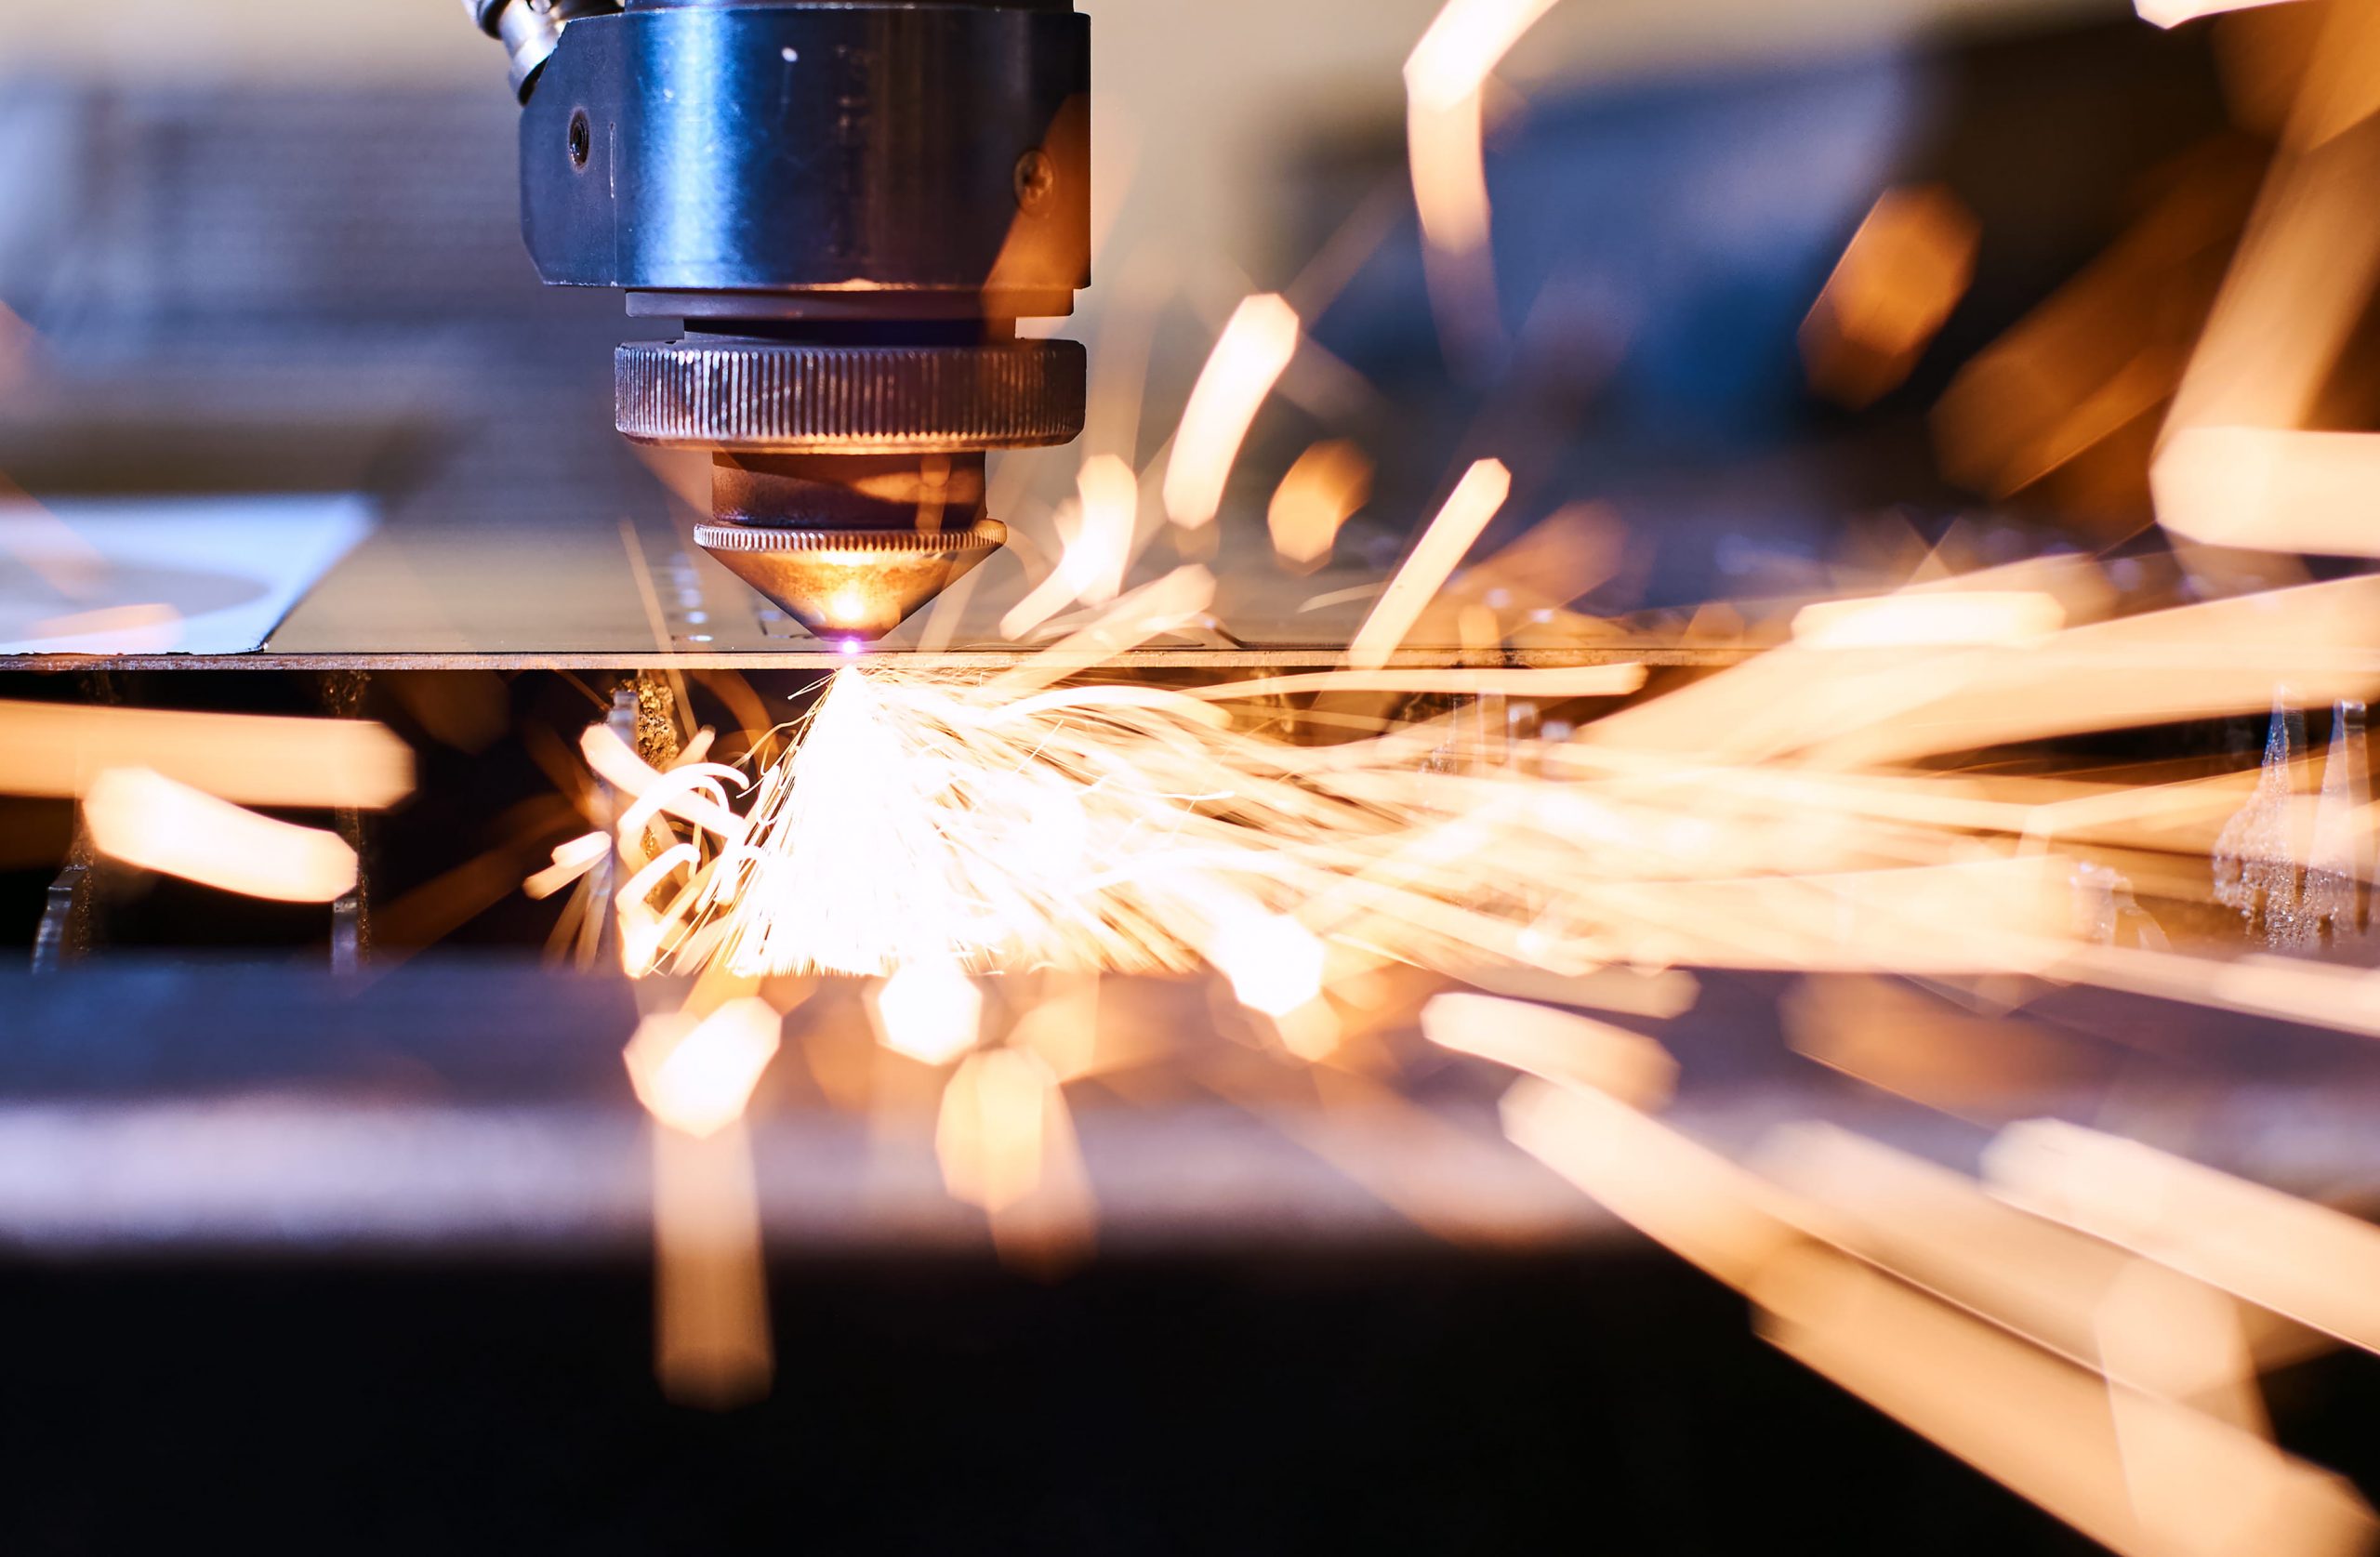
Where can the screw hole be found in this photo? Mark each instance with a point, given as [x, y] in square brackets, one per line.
[1036, 180]
[581, 138]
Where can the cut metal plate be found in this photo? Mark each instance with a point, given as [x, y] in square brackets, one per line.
[542, 596]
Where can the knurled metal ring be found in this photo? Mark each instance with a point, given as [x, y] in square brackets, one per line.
[985, 535]
[763, 397]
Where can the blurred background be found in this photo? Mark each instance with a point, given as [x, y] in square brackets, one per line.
[248, 256]
[1794, 293]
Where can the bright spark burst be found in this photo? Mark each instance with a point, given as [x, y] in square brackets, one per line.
[1776, 815]
[923, 821]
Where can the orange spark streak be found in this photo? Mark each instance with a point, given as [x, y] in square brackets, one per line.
[1904, 269]
[572, 861]
[2043, 1428]
[2318, 1266]
[57, 749]
[1559, 1046]
[1932, 620]
[1329, 483]
[1475, 500]
[1465, 44]
[1444, 84]
[148, 820]
[1248, 359]
[2271, 489]
[1097, 532]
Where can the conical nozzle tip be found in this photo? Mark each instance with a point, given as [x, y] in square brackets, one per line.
[845, 583]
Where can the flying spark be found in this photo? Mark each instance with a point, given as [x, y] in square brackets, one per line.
[1253, 352]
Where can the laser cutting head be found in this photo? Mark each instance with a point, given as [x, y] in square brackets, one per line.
[849, 207]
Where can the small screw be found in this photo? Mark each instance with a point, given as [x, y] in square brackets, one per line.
[581, 138]
[1036, 180]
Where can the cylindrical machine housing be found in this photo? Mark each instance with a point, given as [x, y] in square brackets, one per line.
[850, 205]
[829, 162]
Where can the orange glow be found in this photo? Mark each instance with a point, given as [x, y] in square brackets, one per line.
[148, 820]
[2195, 661]
[994, 1128]
[1328, 485]
[1253, 352]
[697, 1074]
[1937, 1230]
[1585, 680]
[1006, 1142]
[2163, 1334]
[1063, 1027]
[1906, 269]
[1874, 801]
[129, 629]
[1475, 500]
[693, 793]
[847, 606]
[712, 1343]
[929, 1011]
[1894, 1038]
[57, 749]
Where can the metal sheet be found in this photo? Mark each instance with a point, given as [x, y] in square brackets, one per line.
[454, 1103]
[626, 594]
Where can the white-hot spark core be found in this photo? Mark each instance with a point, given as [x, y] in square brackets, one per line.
[1275, 964]
[148, 820]
[1466, 43]
[1248, 359]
